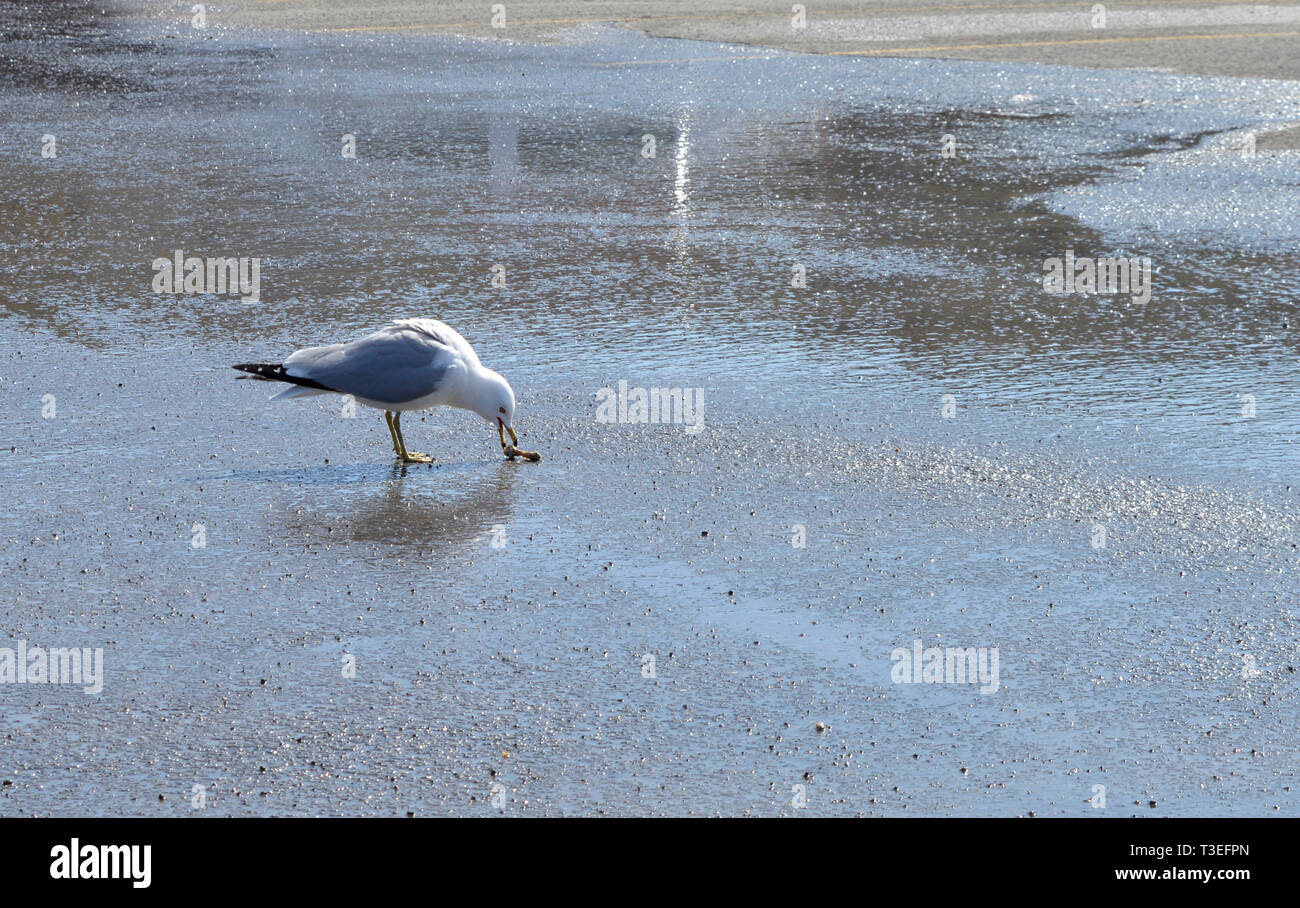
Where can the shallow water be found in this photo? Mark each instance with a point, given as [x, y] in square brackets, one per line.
[500, 614]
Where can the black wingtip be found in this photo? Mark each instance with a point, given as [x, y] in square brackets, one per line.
[276, 372]
[264, 371]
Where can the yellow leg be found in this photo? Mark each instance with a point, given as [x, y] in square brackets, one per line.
[388, 421]
[407, 456]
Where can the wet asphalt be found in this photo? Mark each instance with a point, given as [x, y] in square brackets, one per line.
[903, 436]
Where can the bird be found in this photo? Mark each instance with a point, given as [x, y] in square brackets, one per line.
[412, 364]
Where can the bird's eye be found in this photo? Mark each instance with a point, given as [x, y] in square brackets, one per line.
[502, 409]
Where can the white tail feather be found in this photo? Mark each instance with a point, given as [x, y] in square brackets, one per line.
[293, 392]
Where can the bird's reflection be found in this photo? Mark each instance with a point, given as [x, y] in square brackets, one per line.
[412, 510]
[418, 508]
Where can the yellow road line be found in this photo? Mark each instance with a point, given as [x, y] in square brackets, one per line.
[873, 13]
[1058, 43]
[775, 52]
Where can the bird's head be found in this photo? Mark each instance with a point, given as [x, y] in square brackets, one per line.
[495, 402]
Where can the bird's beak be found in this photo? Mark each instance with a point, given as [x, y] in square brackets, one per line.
[508, 448]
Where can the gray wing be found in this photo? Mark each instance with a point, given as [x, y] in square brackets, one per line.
[394, 365]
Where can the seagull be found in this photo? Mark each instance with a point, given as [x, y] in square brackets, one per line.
[412, 364]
